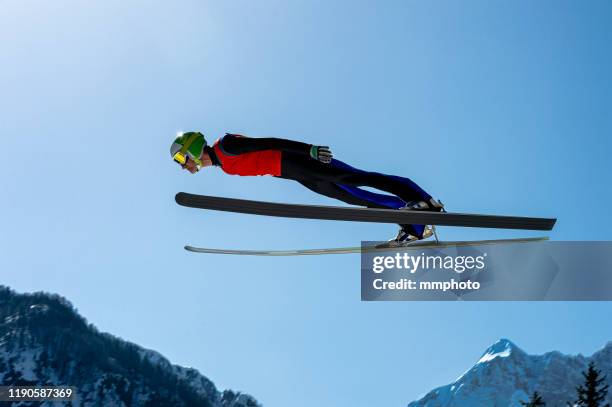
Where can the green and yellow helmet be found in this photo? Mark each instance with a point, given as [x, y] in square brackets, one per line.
[189, 144]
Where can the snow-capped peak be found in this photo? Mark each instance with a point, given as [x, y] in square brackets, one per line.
[505, 375]
[503, 348]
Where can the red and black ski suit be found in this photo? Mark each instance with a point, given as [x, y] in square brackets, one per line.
[239, 155]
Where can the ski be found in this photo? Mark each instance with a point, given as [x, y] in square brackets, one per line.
[358, 214]
[358, 249]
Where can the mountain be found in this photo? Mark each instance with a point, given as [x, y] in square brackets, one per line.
[44, 341]
[505, 375]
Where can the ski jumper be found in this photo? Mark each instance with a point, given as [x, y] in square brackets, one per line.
[239, 155]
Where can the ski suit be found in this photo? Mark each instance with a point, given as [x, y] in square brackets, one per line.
[239, 155]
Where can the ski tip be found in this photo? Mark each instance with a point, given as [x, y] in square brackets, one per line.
[179, 197]
[191, 200]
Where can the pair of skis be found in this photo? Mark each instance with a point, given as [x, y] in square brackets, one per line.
[340, 213]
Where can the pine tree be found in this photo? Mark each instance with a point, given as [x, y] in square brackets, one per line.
[594, 390]
[535, 401]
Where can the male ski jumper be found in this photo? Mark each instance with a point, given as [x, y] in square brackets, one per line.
[312, 166]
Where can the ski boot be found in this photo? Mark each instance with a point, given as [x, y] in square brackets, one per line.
[433, 205]
[404, 238]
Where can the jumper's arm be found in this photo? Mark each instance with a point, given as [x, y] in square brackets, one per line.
[236, 144]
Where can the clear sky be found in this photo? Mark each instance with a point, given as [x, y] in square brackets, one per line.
[499, 107]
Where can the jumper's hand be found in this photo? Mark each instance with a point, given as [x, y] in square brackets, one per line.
[321, 153]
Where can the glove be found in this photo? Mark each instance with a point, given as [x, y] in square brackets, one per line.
[321, 153]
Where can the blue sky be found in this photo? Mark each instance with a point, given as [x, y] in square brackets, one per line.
[494, 107]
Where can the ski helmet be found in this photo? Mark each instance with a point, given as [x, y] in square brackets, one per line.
[190, 144]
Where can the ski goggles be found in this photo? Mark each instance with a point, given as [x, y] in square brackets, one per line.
[181, 158]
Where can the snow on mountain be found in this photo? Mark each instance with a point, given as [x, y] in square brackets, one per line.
[505, 375]
[44, 341]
